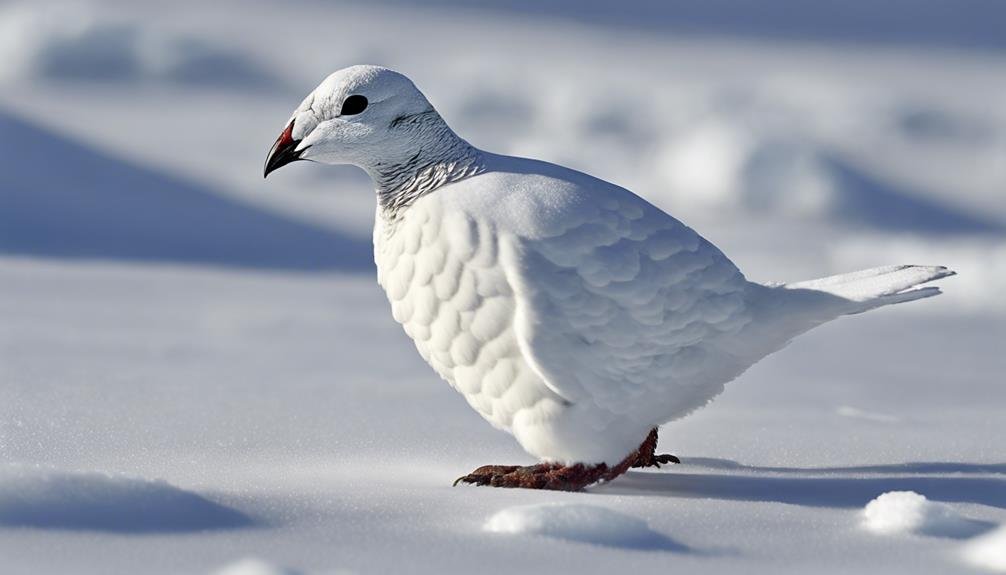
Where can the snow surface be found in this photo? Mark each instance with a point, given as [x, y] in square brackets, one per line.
[580, 522]
[252, 566]
[296, 401]
[988, 551]
[33, 497]
[181, 352]
[897, 512]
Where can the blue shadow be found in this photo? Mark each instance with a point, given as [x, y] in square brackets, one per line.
[843, 487]
[60, 198]
[96, 502]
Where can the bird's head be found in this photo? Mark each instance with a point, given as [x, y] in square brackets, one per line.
[359, 115]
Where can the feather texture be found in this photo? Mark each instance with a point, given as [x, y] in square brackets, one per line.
[567, 310]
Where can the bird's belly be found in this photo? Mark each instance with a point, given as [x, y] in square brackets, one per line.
[446, 289]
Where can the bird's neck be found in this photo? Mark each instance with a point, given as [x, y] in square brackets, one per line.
[434, 157]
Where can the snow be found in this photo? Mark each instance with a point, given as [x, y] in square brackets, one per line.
[294, 399]
[252, 566]
[76, 42]
[133, 212]
[897, 512]
[265, 375]
[988, 551]
[43, 498]
[582, 523]
[856, 413]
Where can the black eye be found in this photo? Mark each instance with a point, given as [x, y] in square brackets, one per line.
[353, 105]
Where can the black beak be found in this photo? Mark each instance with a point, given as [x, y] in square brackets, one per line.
[283, 151]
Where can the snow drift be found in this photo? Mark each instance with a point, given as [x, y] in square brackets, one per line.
[68, 42]
[722, 163]
[98, 206]
[581, 523]
[43, 498]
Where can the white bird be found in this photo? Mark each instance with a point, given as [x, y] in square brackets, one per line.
[567, 310]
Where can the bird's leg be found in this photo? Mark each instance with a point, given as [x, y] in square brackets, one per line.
[646, 455]
[558, 477]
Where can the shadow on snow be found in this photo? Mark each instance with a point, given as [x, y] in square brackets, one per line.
[820, 487]
[60, 198]
[85, 501]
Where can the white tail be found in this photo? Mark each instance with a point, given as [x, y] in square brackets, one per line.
[877, 287]
[782, 312]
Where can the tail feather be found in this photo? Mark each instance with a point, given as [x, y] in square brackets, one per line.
[876, 287]
[784, 311]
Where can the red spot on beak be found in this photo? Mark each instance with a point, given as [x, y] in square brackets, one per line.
[286, 138]
[283, 151]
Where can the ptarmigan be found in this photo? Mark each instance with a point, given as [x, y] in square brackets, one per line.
[568, 311]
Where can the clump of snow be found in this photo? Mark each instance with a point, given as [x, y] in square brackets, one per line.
[898, 512]
[253, 566]
[729, 162]
[38, 497]
[988, 551]
[71, 42]
[582, 523]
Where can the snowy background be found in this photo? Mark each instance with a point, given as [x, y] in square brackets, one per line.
[198, 373]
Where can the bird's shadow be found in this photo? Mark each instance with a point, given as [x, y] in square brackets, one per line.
[841, 487]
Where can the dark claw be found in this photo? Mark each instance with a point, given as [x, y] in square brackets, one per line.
[485, 474]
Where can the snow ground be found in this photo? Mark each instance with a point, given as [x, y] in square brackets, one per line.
[199, 374]
[294, 400]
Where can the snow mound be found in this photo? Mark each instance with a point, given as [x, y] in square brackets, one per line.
[34, 497]
[988, 551]
[721, 164]
[71, 42]
[252, 566]
[898, 512]
[581, 523]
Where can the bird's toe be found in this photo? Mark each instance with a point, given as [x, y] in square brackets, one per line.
[486, 474]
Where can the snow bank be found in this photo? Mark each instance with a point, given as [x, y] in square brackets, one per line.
[252, 566]
[36, 497]
[724, 162]
[988, 551]
[897, 512]
[70, 42]
[582, 523]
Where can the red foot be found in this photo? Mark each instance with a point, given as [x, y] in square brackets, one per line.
[646, 455]
[559, 477]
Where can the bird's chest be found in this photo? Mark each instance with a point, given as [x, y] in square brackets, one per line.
[447, 287]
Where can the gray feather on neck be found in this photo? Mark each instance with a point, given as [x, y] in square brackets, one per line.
[440, 157]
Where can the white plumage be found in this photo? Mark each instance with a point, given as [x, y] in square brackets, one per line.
[567, 310]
